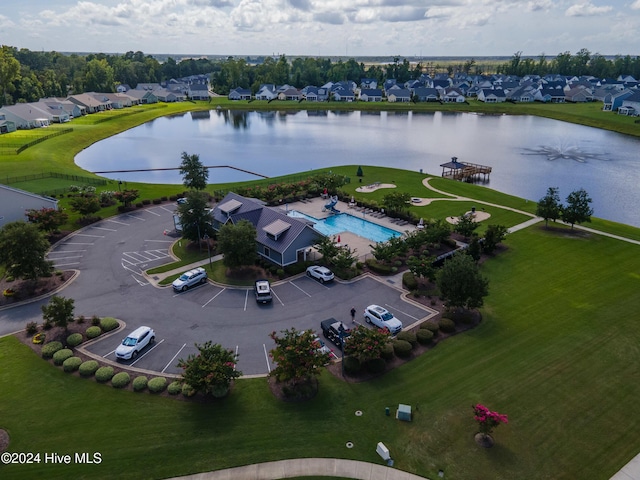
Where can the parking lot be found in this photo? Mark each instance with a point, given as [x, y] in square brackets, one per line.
[112, 254]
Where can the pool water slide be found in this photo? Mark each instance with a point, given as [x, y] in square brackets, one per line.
[331, 206]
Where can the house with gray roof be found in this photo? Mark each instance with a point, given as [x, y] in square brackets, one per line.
[370, 95]
[614, 99]
[398, 95]
[426, 94]
[15, 202]
[487, 95]
[240, 94]
[280, 239]
[630, 105]
[6, 126]
[90, 103]
[26, 116]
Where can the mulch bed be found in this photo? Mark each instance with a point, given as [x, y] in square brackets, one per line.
[27, 289]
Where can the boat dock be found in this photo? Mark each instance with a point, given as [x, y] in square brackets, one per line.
[464, 171]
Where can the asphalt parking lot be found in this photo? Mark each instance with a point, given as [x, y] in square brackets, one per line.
[111, 256]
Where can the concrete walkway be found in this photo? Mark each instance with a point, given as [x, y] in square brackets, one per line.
[304, 467]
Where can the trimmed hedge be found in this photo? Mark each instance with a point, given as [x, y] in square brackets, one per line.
[120, 380]
[61, 355]
[74, 340]
[424, 336]
[157, 384]
[88, 368]
[71, 364]
[379, 268]
[93, 332]
[351, 364]
[387, 351]
[188, 390]
[375, 365]
[108, 323]
[104, 374]
[447, 325]
[174, 388]
[402, 348]
[140, 383]
[431, 326]
[50, 348]
[408, 337]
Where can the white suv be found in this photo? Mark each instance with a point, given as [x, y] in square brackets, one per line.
[382, 318]
[135, 342]
[189, 279]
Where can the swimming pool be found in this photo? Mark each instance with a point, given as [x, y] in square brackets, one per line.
[343, 222]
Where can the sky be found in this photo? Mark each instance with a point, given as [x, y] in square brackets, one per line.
[352, 28]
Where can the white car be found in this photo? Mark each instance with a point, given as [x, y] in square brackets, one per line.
[189, 279]
[135, 342]
[323, 274]
[382, 318]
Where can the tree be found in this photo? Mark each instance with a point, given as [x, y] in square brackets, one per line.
[23, 248]
[344, 258]
[195, 217]
[473, 250]
[298, 356]
[396, 201]
[9, 72]
[47, 219]
[237, 243]
[126, 197]
[59, 311]
[211, 371]
[366, 343]
[359, 172]
[327, 248]
[194, 174]
[549, 206]
[492, 237]
[487, 420]
[422, 266]
[577, 209]
[466, 225]
[461, 284]
[85, 204]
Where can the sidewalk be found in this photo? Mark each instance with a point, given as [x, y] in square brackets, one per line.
[631, 471]
[305, 467]
[156, 278]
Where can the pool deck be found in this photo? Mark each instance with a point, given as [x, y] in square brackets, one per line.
[313, 207]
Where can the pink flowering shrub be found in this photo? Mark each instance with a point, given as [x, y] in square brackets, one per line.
[487, 420]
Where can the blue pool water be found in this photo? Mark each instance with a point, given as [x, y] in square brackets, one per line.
[348, 223]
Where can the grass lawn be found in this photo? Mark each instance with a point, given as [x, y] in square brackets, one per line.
[557, 351]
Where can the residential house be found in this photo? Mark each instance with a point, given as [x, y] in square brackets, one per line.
[280, 239]
[553, 95]
[578, 94]
[496, 95]
[401, 95]
[342, 95]
[6, 126]
[143, 97]
[452, 95]
[315, 94]
[168, 96]
[90, 103]
[71, 109]
[240, 94]
[426, 94]
[26, 116]
[522, 94]
[613, 100]
[366, 83]
[15, 202]
[290, 94]
[199, 91]
[630, 105]
[56, 112]
[267, 92]
[370, 95]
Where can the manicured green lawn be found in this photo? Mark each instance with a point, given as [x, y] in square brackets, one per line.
[557, 351]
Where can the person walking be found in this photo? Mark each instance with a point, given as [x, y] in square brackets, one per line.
[353, 315]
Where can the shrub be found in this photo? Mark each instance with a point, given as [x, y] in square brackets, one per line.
[156, 201]
[376, 365]
[163, 198]
[104, 374]
[402, 348]
[120, 380]
[447, 325]
[376, 267]
[280, 273]
[71, 364]
[38, 338]
[387, 351]
[424, 336]
[80, 319]
[95, 321]
[408, 337]
[61, 355]
[188, 390]
[157, 384]
[409, 281]
[32, 328]
[138, 205]
[74, 340]
[220, 390]
[93, 332]
[88, 368]
[47, 325]
[351, 365]
[431, 326]
[140, 383]
[50, 348]
[108, 323]
[146, 202]
[174, 388]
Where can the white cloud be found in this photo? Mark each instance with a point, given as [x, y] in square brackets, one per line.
[586, 9]
[636, 5]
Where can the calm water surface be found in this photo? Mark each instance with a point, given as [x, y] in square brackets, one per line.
[528, 154]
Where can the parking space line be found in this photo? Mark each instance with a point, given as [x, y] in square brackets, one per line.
[66, 264]
[163, 241]
[107, 354]
[65, 258]
[274, 294]
[145, 353]
[166, 209]
[140, 282]
[137, 218]
[153, 213]
[115, 221]
[214, 297]
[246, 299]
[78, 243]
[307, 294]
[67, 251]
[104, 228]
[391, 307]
[174, 357]
[87, 235]
[266, 356]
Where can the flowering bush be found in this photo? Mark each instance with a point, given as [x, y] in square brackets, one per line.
[9, 292]
[38, 339]
[487, 420]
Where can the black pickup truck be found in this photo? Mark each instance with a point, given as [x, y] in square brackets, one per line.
[331, 329]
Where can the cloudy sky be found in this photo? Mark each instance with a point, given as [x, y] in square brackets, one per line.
[324, 27]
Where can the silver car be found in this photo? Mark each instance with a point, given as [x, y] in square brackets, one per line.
[189, 279]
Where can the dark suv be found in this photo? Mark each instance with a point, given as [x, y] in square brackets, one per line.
[333, 329]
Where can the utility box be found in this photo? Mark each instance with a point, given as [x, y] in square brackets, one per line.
[404, 412]
[383, 451]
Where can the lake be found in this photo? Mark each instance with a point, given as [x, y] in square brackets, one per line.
[528, 154]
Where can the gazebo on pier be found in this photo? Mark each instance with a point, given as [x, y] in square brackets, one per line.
[464, 171]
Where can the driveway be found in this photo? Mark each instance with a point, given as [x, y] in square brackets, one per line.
[111, 256]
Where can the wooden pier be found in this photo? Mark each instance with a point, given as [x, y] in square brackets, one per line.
[464, 171]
